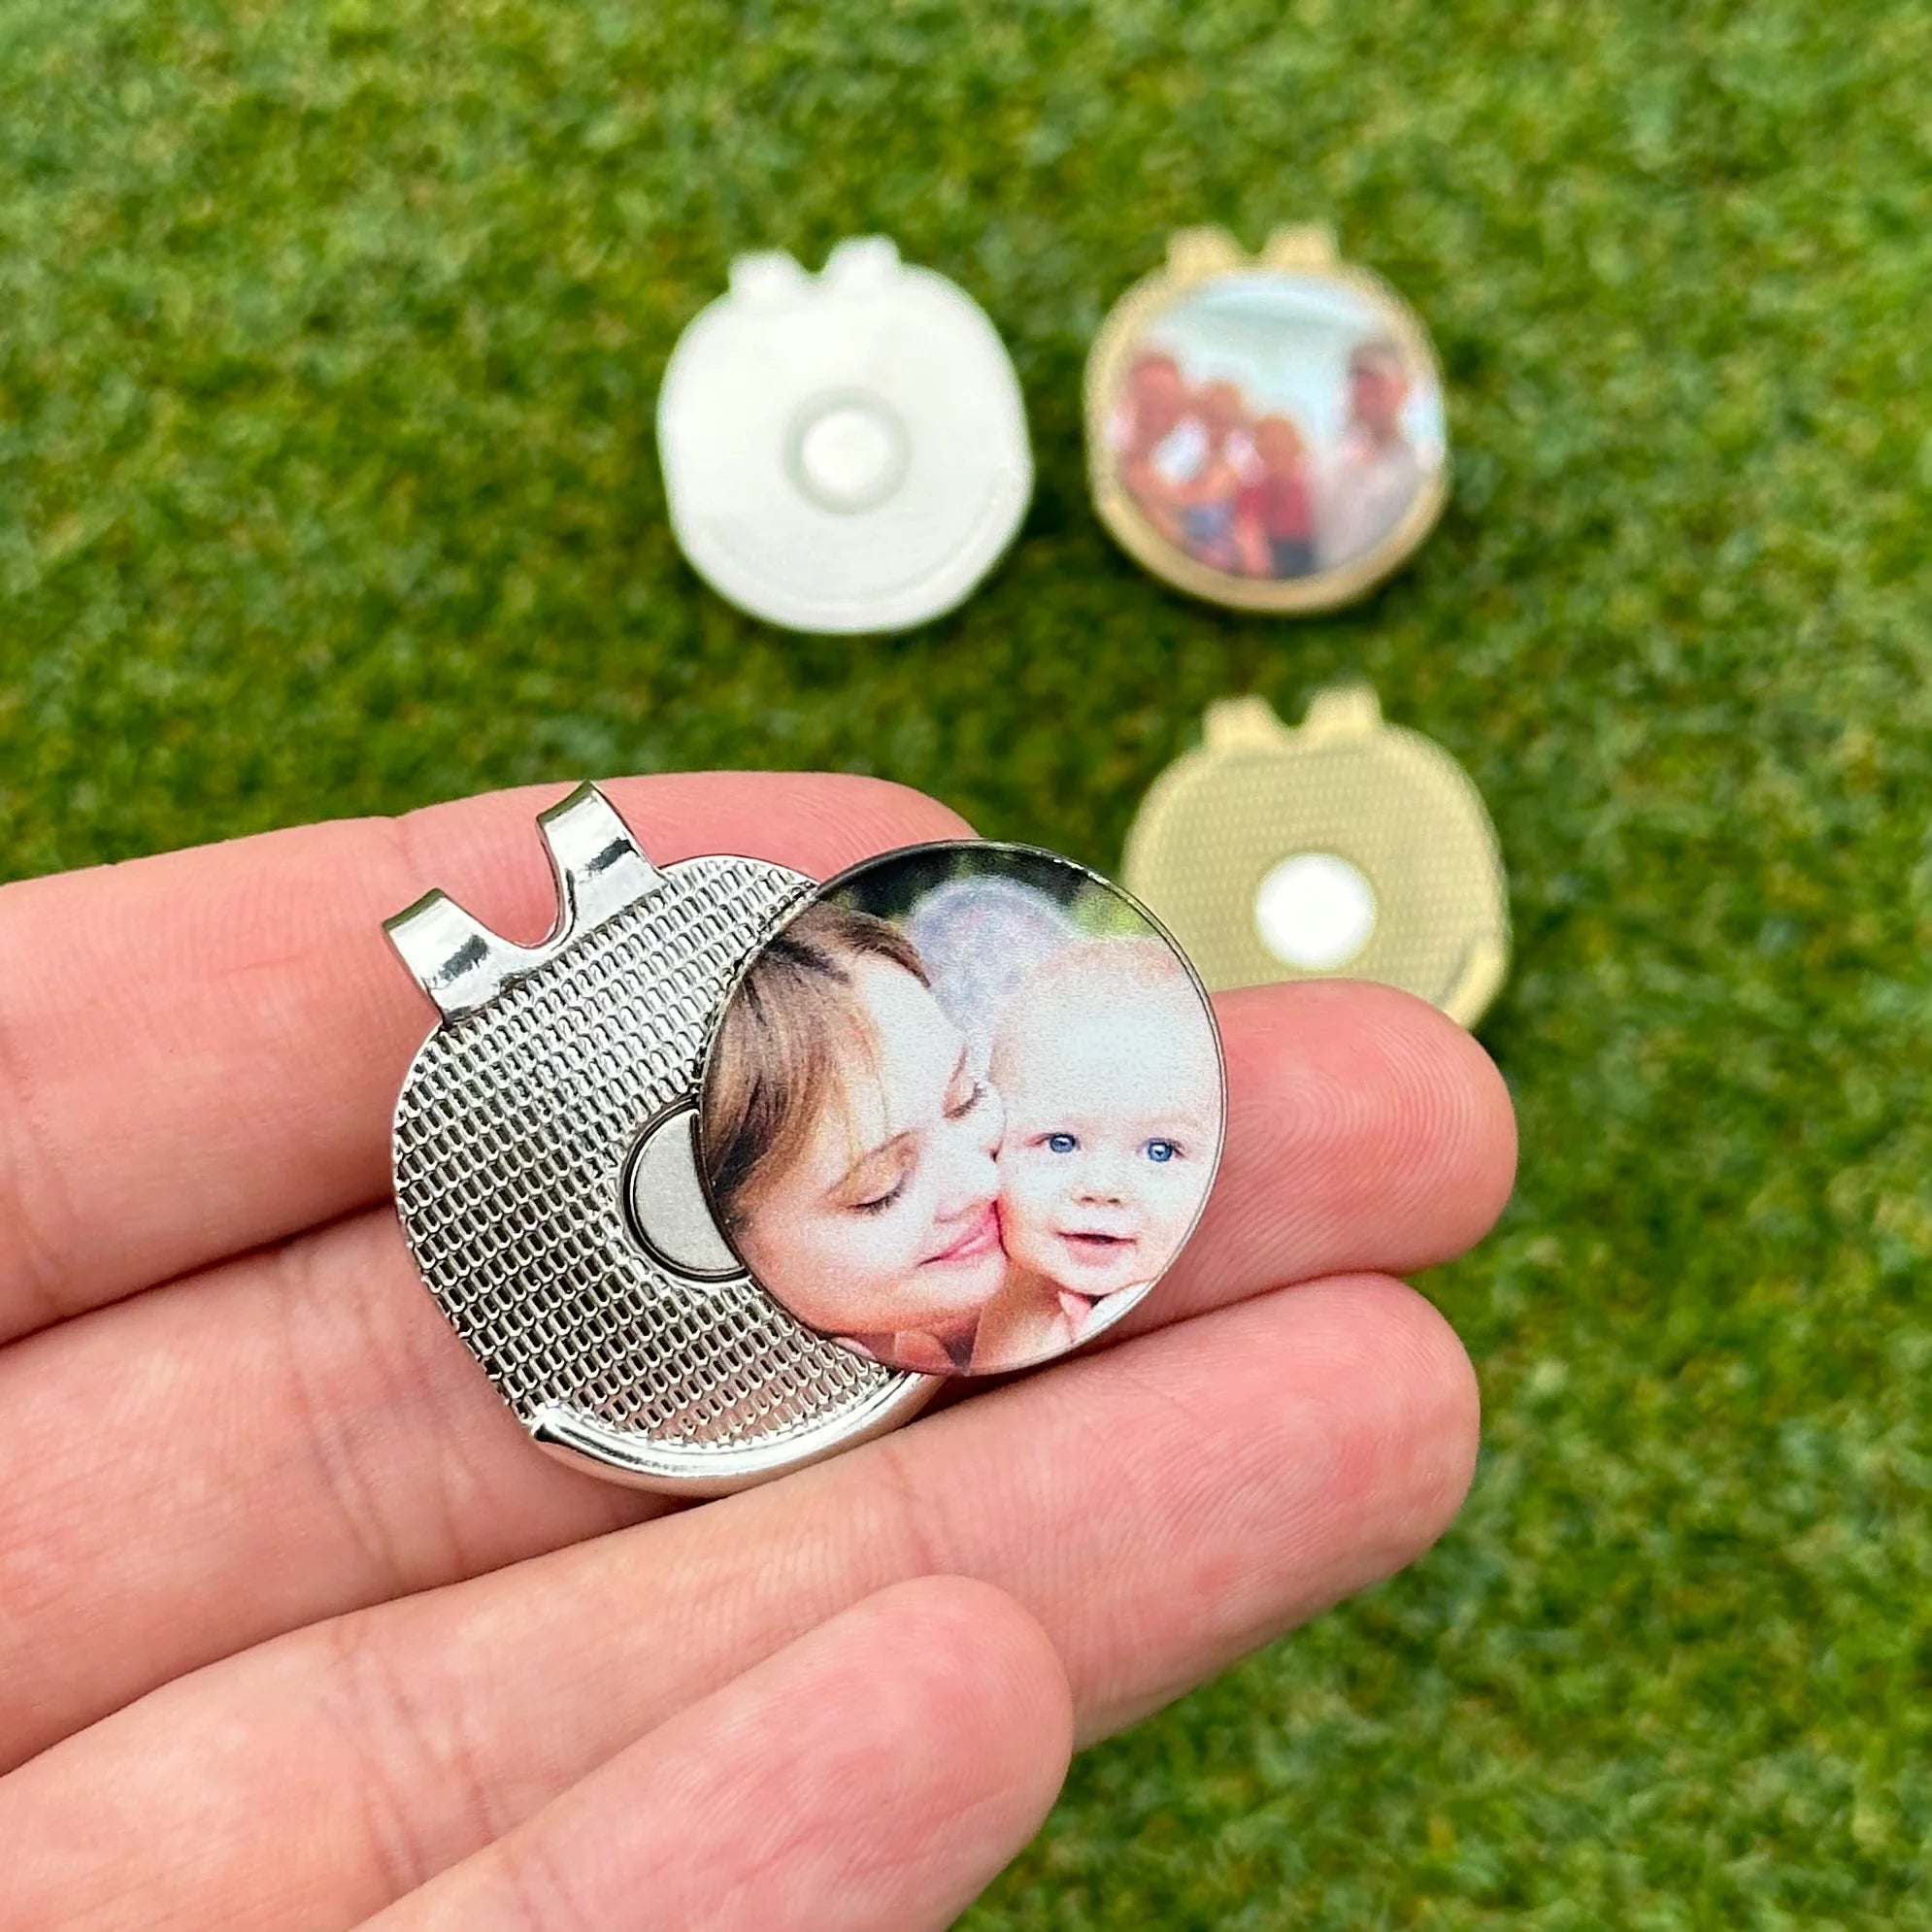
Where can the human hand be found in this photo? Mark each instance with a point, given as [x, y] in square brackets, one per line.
[297, 1628]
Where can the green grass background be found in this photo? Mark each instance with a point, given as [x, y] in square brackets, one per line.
[329, 338]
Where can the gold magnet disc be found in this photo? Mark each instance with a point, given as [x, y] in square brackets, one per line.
[1266, 431]
[1349, 848]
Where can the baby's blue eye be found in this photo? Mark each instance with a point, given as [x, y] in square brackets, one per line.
[1061, 1144]
[1160, 1151]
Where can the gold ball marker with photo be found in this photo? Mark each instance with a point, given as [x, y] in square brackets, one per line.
[1266, 431]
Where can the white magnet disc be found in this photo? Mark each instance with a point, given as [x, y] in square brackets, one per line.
[843, 453]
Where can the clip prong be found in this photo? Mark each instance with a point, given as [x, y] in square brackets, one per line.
[600, 870]
[453, 956]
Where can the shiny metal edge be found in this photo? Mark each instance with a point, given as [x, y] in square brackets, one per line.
[589, 1446]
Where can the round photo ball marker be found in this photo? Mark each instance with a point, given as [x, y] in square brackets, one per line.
[1350, 846]
[1266, 432]
[962, 1109]
[843, 453]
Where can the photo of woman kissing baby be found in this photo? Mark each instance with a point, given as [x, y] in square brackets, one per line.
[963, 1109]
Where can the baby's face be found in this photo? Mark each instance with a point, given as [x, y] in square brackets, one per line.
[1110, 1134]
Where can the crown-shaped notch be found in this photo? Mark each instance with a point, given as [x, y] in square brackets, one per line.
[1339, 712]
[600, 870]
[1244, 724]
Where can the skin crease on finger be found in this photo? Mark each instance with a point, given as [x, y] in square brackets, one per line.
[928, 1729]
[1163, 1508]
[299, 1434]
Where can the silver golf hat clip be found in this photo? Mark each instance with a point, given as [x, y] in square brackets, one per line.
[730, 1171]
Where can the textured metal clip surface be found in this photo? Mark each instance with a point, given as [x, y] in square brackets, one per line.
[548, 1189]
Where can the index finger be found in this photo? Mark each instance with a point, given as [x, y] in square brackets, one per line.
[199, 1052]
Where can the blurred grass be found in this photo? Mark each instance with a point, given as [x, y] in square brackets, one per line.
[329, 344]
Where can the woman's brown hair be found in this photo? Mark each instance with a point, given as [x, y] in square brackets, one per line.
[787, 1034]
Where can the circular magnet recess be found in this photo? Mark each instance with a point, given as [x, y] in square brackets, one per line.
[1266, 432]
[1315, 911]
[843, 452]
[962, 1107]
